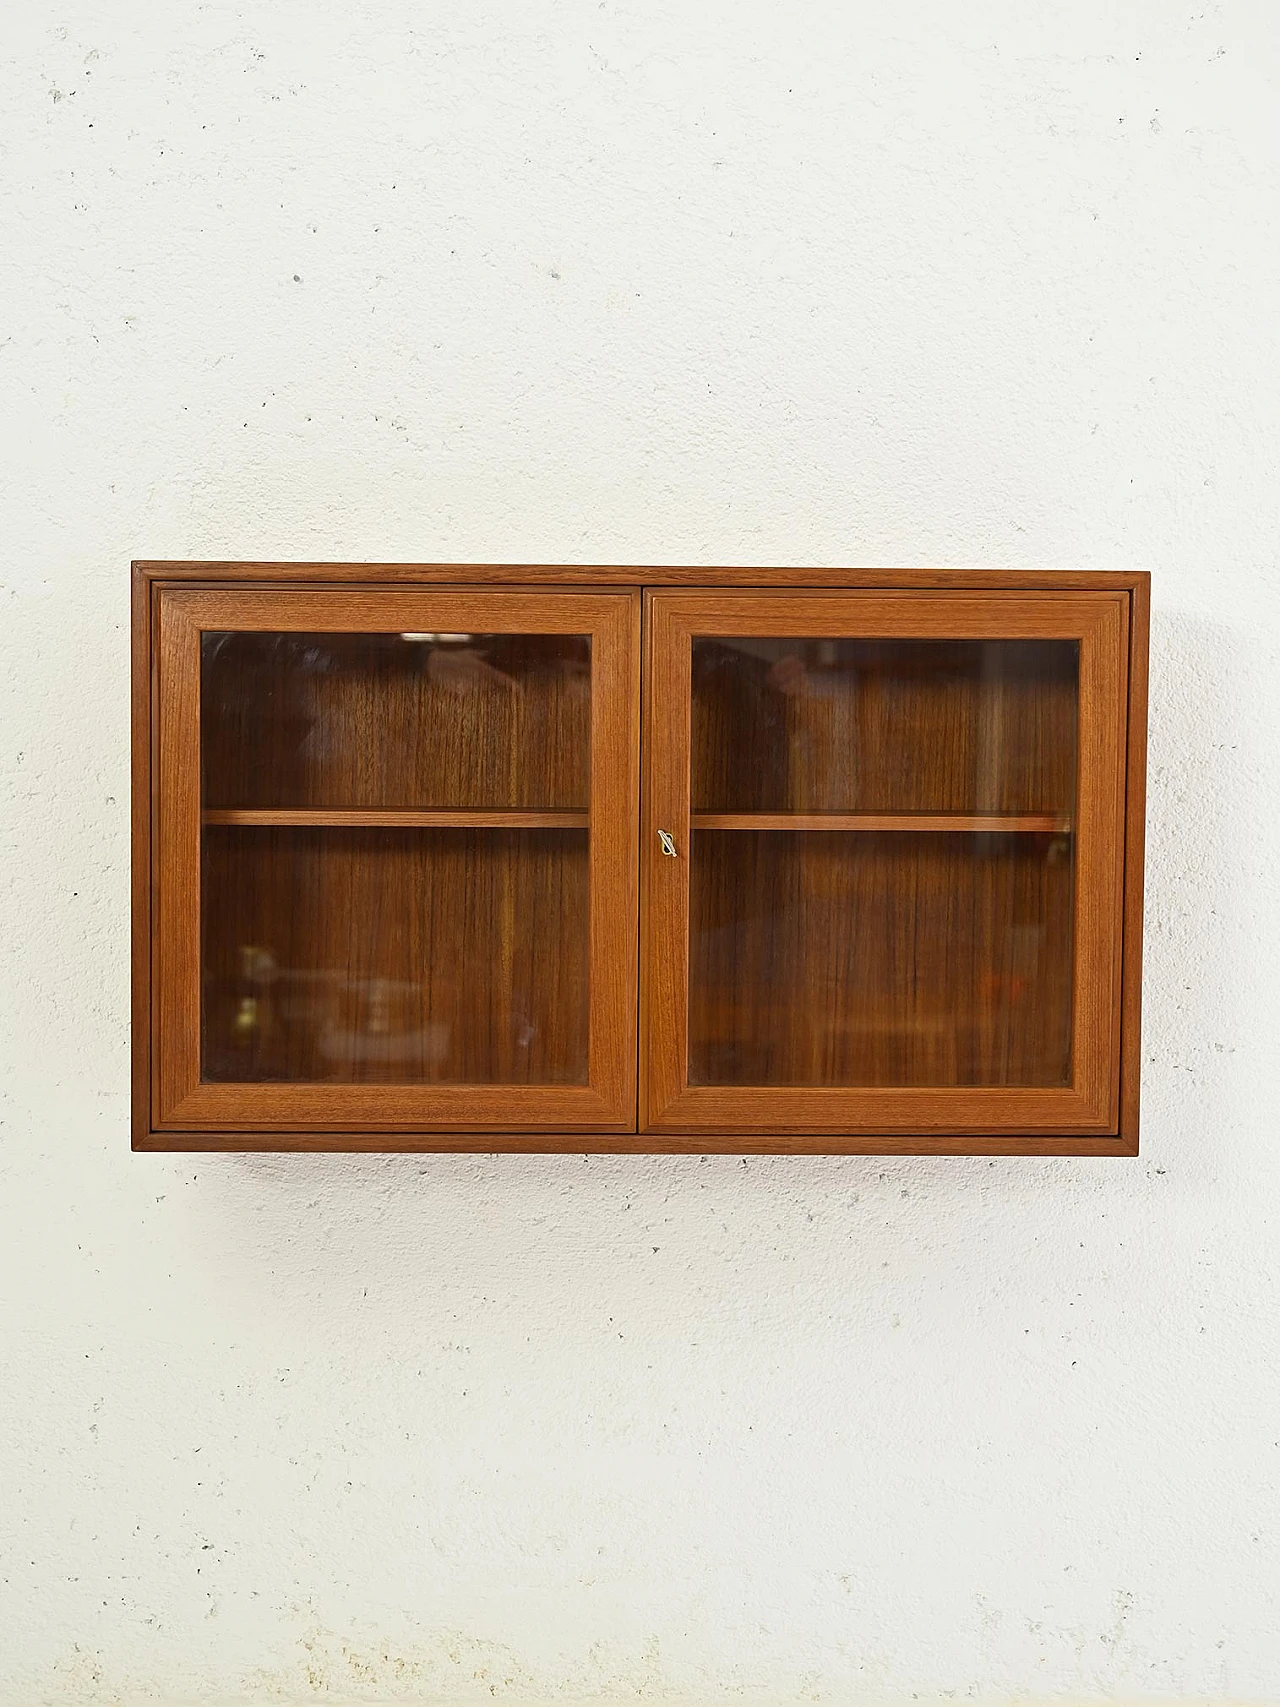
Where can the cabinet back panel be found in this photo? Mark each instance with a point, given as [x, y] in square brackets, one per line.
[847, 725]
[482, 721]
[391, 956]
[835, 958]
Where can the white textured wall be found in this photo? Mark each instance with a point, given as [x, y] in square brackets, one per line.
[992, 283]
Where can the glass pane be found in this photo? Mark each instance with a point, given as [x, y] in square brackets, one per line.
[375, 906]
[384, 955]
[465, 720]
[884, 725]
[882, 862]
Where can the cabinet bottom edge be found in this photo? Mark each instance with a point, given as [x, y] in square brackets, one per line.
[644, 1143]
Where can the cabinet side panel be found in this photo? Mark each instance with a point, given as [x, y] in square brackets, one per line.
[1134, 863]
[140, 854]
[1104, 658]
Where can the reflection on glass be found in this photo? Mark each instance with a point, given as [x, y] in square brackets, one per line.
[482, 721]
[394, 949]
[884, 725]
[889, 952]
[385, 955]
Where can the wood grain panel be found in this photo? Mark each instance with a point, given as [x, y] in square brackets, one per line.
[1134, 862]
[848, 725]
[615, 853]
[1104, 679]
[175, 948]
[376, 720]
[641, 575]
[385, 955]
[879, 959]
[664, 807]
[1040, 1142]
[312, 817]
[950, 822]
[421, 1110]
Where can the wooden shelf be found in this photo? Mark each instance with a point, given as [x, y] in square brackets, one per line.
[1057, 823]
[389, 817]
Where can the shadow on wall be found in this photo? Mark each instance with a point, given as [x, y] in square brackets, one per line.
[1207, 758]
[448, 1342]
[1212, 773]
[1204, 958]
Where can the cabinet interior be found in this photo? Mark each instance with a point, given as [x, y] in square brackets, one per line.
[881, 886]
[395, 857]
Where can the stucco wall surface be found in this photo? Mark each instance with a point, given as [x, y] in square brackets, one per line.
[988, 284]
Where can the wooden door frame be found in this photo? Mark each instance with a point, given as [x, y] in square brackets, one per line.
[180, 1101]
[1090, 1106]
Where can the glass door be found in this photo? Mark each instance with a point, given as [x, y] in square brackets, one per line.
[397, 837]
[883, 852]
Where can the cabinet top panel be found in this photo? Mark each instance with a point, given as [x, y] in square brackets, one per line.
[641, 575]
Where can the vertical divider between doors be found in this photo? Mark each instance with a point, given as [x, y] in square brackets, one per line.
[665, 805]
[637, 798]
[642, 872]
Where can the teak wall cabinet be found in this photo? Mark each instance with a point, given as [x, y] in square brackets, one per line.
[459, 857]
